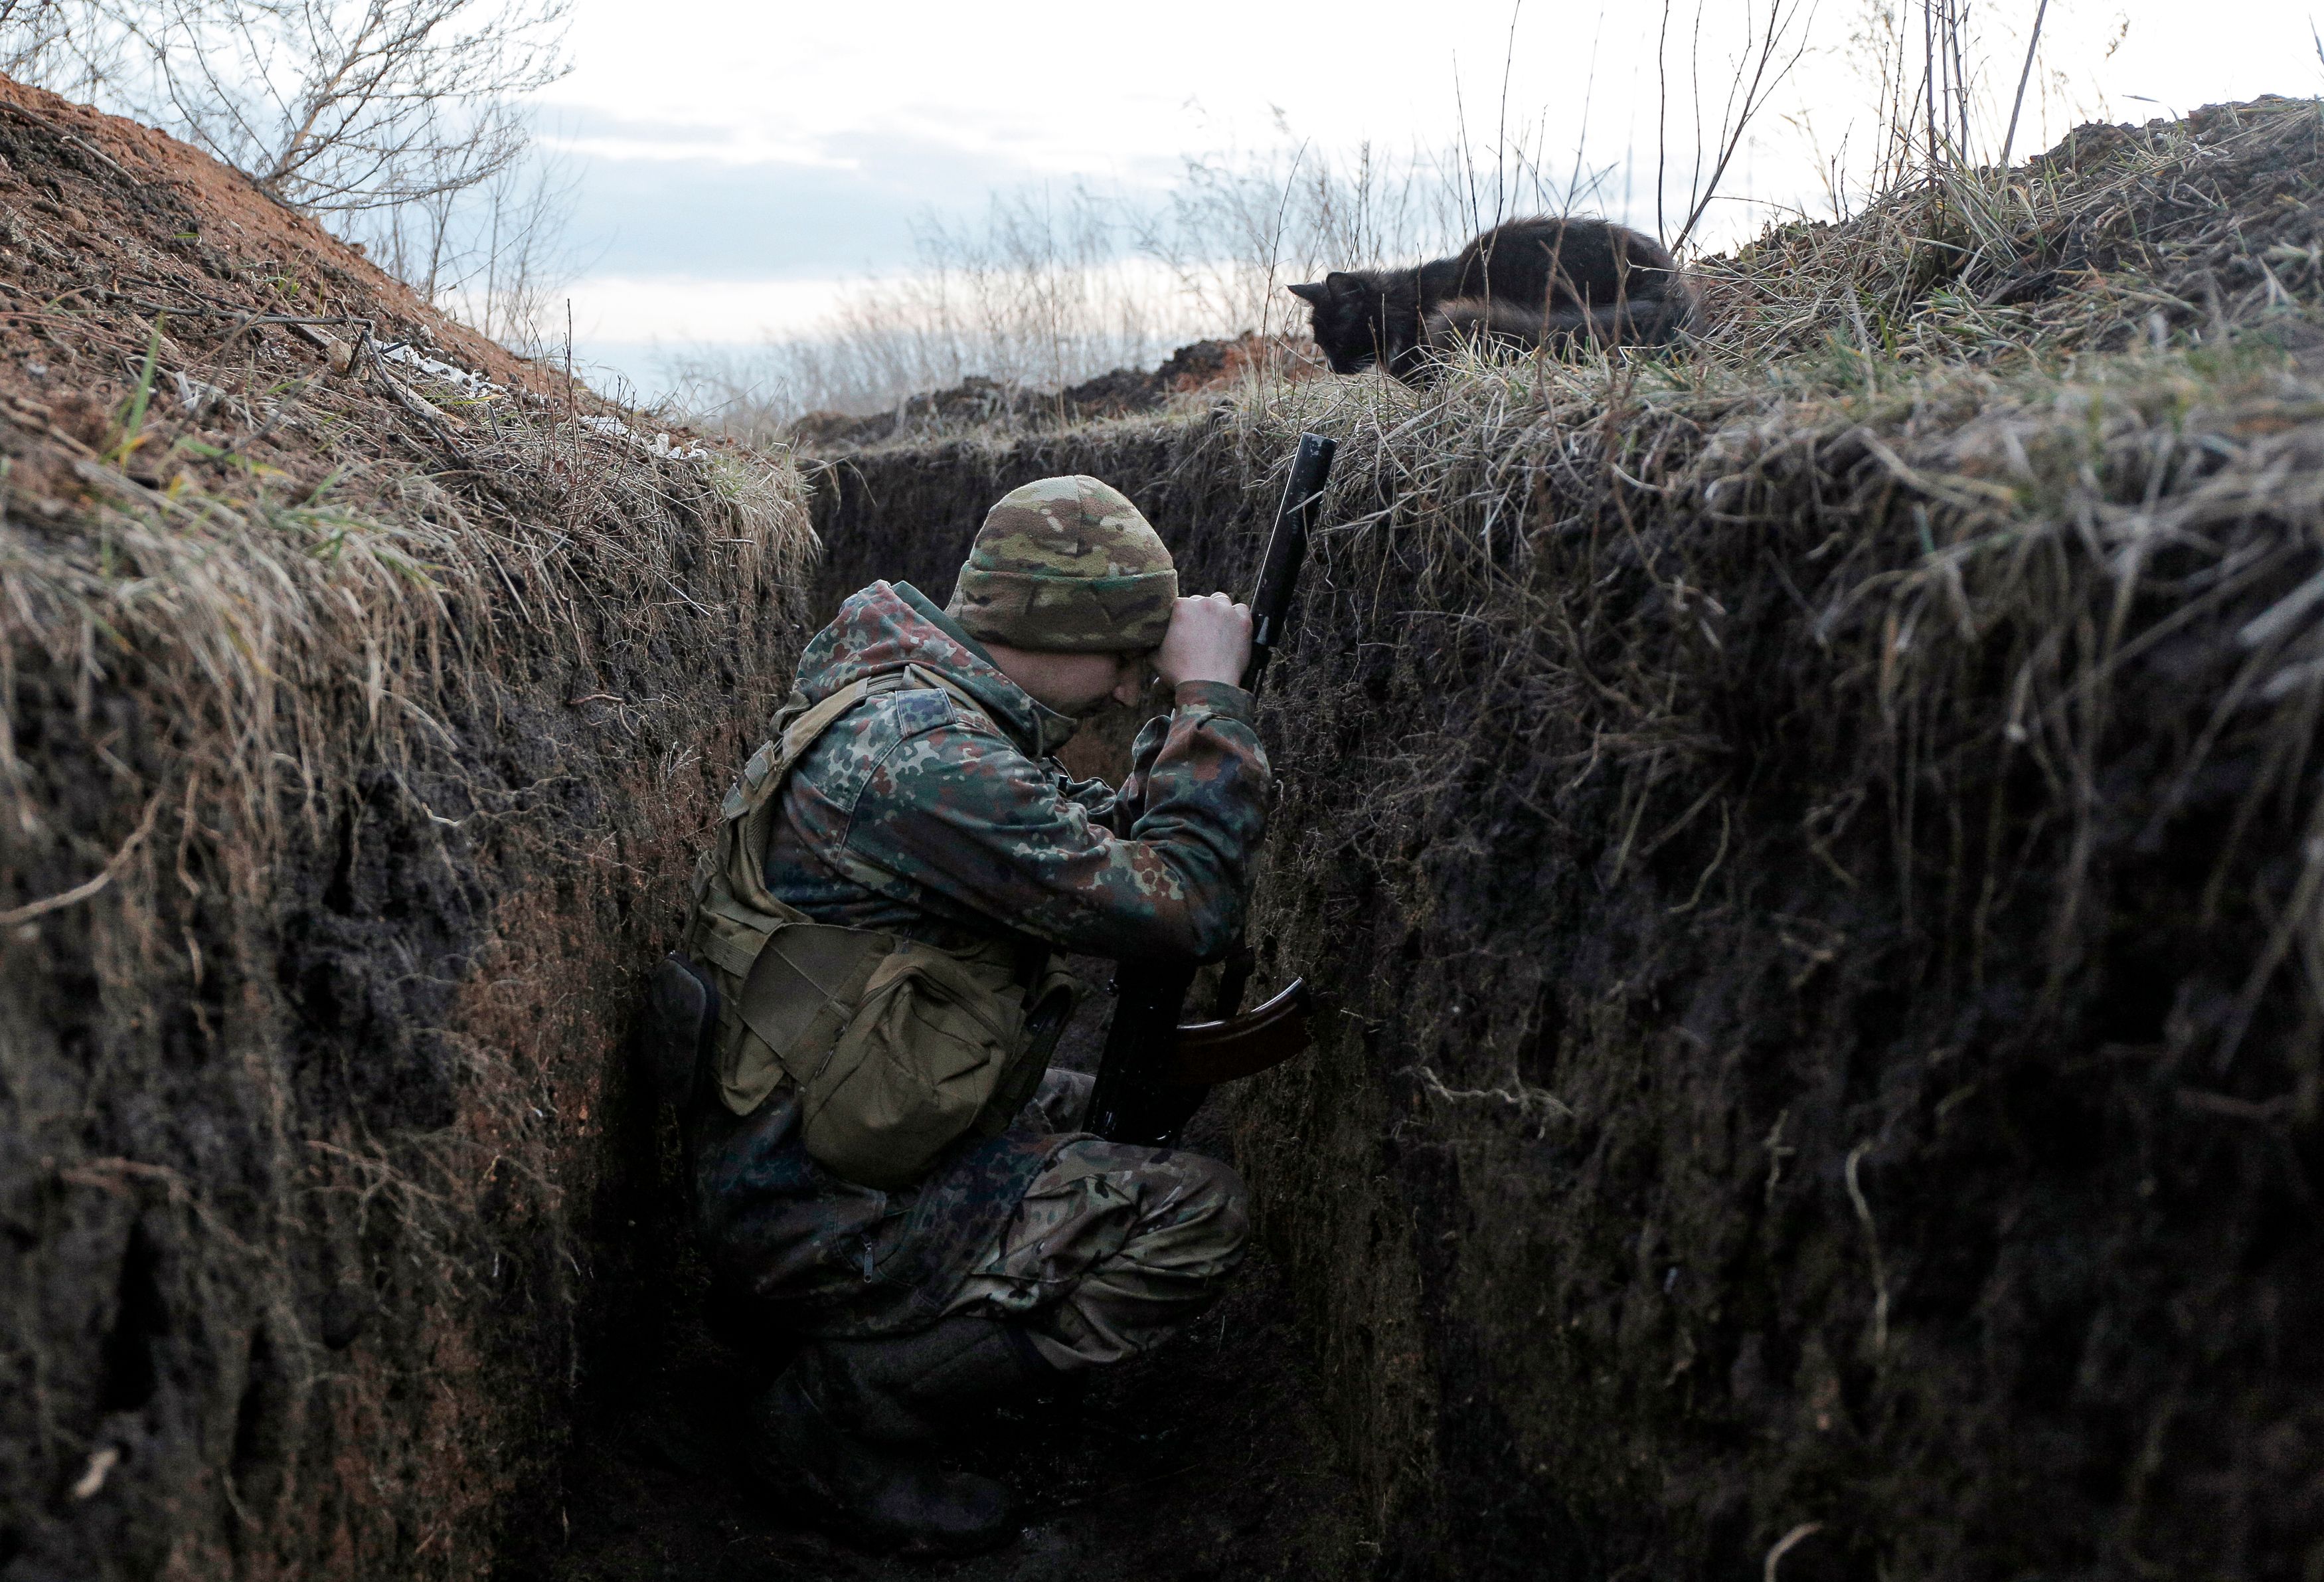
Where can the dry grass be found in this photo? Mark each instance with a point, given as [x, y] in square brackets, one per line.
[299, 629]
[297, 611]
[2054, 419]
[1893, 719]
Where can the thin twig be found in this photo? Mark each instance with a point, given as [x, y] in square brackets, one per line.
[80, 893]
[2009, 138]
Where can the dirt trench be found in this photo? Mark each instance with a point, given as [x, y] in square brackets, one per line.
[364, 689]
[386, 697]
[1817, 910]
[386, 701]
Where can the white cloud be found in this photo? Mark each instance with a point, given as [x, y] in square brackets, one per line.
[681, 310]
[676, 309]
[1065, 87]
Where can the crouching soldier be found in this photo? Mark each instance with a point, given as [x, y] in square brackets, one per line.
[880, 1157]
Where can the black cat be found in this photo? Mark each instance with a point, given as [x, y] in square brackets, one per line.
[1365, 316]
[1545, 281]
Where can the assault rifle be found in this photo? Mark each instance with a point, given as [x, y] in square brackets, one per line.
[1156, 1068]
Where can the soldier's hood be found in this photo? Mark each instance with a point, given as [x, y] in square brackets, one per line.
[891, 624]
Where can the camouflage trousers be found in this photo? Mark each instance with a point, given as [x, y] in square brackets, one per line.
[1113, 1247]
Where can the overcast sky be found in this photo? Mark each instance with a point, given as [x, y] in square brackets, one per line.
[736, 163]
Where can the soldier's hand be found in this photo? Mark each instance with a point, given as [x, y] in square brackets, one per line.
[1209, 640]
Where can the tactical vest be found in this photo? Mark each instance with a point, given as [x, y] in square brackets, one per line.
[895, 1047]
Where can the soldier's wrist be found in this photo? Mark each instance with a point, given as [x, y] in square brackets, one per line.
[1214, 697]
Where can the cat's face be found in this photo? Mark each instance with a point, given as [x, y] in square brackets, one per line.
[1346, 312]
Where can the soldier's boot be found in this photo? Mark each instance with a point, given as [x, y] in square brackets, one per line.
[958, 1366]
[839, 1434]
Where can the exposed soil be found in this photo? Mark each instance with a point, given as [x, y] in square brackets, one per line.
[1820, 911]
[1207, 368]
[104, 213]
[353, 758]
[307, 1281]
[1204, 1460]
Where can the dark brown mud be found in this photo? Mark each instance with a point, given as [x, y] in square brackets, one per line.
[1818, 907]
[1206, 1459]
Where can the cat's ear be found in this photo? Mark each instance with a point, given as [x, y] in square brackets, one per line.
[1313, 292]
[1341, 284]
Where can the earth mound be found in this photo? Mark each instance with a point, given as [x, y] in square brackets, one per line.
[1213, 368]
[1812, 851]
[364, 686]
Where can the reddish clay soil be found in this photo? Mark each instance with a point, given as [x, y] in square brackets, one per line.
[103, 215]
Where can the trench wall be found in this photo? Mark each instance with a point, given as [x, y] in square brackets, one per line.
[1817, 923]
[320, 1172]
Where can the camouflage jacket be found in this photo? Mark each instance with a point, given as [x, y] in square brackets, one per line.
[920, 816]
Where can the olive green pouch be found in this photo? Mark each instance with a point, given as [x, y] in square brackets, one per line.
[897, 1047]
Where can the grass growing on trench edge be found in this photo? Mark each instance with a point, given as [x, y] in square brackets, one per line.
[2054, 476]
[2069, 412]
[2072, 413]
[270, 587]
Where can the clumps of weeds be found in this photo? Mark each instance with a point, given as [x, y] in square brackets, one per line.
[1909, 704]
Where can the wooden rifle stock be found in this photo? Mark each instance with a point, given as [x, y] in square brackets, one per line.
[1156, 1070]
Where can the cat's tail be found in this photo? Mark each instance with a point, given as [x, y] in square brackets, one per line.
[1479, 322]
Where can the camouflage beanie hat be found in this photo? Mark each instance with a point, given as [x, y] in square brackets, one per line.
[1066, 566]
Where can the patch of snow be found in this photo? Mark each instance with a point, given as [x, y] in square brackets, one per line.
[193, 396]
[660, 447]
[470, 384]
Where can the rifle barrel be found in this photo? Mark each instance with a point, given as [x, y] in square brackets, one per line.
[1139, 1097]
[1286, 552]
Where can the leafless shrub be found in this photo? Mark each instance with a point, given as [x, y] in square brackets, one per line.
[2017, 101]
[1017, 301]
[1042, 293]
[492, 254]
[30, 30]
[1240, 225]
[1047, 290]
[335, 105]
[398, 122]
[1774, 43]
[1047, 293]
[1928, 62]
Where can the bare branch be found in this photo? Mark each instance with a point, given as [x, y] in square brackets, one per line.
[1762, 71]
[2009, 138]
[332, 106]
